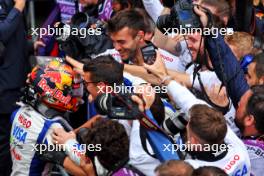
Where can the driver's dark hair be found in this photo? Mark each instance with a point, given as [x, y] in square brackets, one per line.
[105, 69]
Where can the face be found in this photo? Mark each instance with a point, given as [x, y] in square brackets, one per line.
[116, 6]
[90, 86]
[241, 111]
[125, 43]
[195, 45]
[251, 76]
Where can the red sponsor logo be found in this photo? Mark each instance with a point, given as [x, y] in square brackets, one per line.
[54, 92]
[54, 76]
[15, 154]
[166, 58]
[24, 121]
[231, 163]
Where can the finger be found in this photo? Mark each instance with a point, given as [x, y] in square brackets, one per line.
[54, 137]
[79, 71]
[40, 43]
[139, 101]
[57, 131]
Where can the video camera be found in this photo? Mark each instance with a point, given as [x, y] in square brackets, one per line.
[117, 106]
[182, 14]
[85, 37]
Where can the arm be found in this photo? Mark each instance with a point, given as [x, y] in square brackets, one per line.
[72, 168]
[232, 73]
[76, 64]
[182, 96]
[222, 57]
[9, 25]
[141, 72]
[167, 43]
[163, 41]
[182, 78]
[154, 8]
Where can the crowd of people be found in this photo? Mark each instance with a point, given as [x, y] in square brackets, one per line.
[193, 103]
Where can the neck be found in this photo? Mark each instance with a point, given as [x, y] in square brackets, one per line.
[250, 131]
[46, 111]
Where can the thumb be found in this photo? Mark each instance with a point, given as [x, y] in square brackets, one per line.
[140, 103]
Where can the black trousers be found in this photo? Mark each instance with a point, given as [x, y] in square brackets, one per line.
[5, 156]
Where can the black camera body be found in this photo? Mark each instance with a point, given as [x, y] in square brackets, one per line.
[182, 14]
[118, 106]
[149, 53]
[84, 45]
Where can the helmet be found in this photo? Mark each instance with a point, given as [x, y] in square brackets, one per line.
[57, 85]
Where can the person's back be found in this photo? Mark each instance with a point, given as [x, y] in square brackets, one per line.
[215, 143]
[29, 131]
[52, 91]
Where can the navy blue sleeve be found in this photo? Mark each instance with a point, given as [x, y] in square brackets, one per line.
[9, 25]
[221, 55]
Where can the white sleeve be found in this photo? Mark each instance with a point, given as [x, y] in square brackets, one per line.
[154, 8]
[208, 78]
[182, 96]
[74, 150]
[171, 61]
[71, 147]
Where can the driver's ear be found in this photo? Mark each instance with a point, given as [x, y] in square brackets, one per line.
[261, 80]
[249, 120]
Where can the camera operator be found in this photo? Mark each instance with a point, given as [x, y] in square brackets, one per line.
[207, 127]
[200, 75]
[96, 80]
[127, 30]
[227, 68]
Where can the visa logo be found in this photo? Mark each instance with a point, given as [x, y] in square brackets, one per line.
[19, 134]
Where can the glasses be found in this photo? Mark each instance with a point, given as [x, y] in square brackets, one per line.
[86, 83]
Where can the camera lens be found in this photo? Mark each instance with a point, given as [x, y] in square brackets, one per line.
[175, 123]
